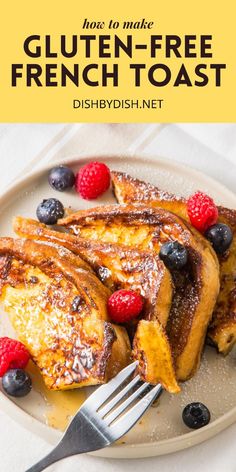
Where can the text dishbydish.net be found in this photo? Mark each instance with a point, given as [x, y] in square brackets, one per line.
[115, 104]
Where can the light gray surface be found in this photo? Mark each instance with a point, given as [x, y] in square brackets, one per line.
[211, 148]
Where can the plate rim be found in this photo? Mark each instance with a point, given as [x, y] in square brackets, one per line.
[145, 449]
[73, 158]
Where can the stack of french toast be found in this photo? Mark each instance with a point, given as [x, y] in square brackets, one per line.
[55, 284]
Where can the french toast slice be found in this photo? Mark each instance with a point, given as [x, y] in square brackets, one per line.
[222, 329]
[116, 266]
[196, 285]
[58, 309]
[152, 349]
[123, 267]
[127, 190]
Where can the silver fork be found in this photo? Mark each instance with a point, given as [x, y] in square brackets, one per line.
[104, 418]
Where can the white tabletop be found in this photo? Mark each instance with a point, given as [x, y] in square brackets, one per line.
[210, 148]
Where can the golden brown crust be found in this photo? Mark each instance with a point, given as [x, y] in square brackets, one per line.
[129, 189]
[49, 259]
[222, 330]
[59, 312]
[197, 286]
[117, 266]
[152, 350]
[122, 267]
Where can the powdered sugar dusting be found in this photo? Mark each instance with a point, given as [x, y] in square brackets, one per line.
[215, 382]
[213, 385]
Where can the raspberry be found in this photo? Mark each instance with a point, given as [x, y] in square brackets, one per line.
[92, 180]
[13, 355]
[124, 305]
[202, 211]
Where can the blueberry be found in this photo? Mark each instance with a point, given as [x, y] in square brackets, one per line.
[49, 211]
[196, 415]
[220, 236]
[174, 255]
[61, 178]
[17, 383]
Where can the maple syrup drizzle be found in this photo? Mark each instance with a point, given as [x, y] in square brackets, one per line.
[61, 405]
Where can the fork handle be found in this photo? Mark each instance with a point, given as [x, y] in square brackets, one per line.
[55, 455]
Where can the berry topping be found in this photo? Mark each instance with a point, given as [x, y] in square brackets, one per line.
[220, 236]
[92, 180]
[61, 178]
[196, 415]
[17, 383]
[174, 255]
[124, 305]
[202, 211]
[49, 211]
[13, 355]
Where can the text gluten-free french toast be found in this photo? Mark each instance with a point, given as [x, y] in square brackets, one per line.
[222, 330]
[196, 285]
[119, 266]
[58, 309]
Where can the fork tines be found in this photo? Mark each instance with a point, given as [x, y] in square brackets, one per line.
[114, 408]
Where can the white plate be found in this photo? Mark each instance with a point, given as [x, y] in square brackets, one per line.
[161, 431]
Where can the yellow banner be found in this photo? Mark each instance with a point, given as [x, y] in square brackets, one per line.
[118, 61]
